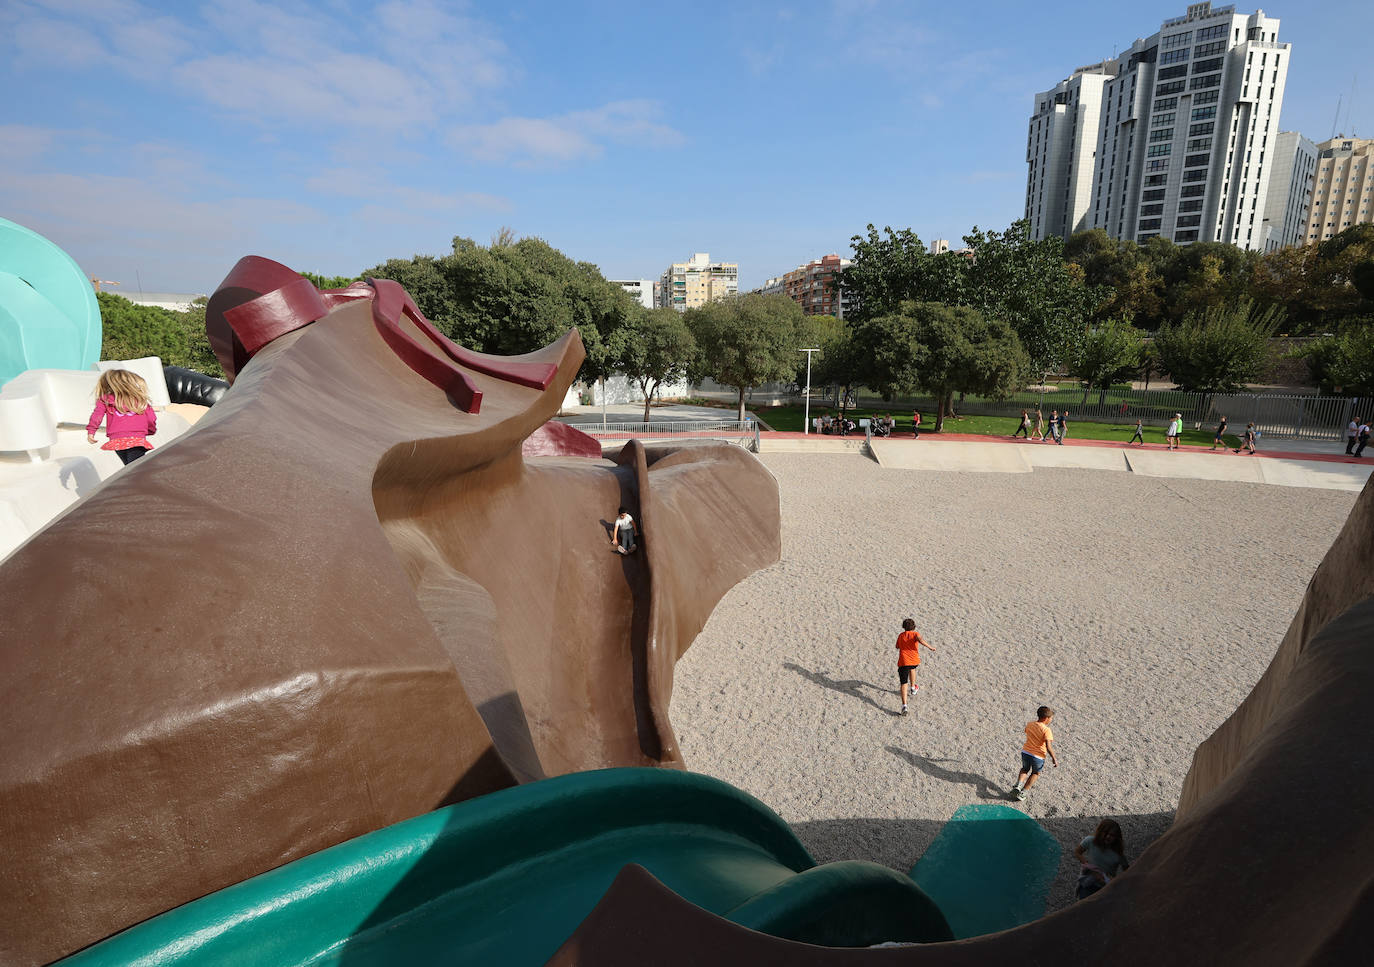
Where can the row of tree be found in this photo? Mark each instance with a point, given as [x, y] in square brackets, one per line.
[982, 322]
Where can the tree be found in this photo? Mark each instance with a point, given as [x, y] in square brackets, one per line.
[1108, 353]
[1218, 350]
[130, 331]
[652, 348]
[886, 269]
[1344, 363]
[944, 350]
[514, 297]
[330, 281]
[1028, 284]
[748, 340]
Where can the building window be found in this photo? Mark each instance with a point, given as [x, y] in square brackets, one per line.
[1211, 80]
[1162, 119]
[1156, 150]
[1198, 129]
[1197, 174]
[1207, 50]
[1148, 224]
[1189, 221]
[1190, 236]
[1176, 40]
[1204, 113]
[1211, 33]
[1156, 179]
[1152, 209]
[1192, 191]
[1172, 87]
[1206, 97]
[1169, 73]
[1163, 105]
[1190, 206]
[1194, 160]
[1174, 56]
[1157, 164]
[1201, 144]
[1207, 66]
[1162, 134]
[1155, 195]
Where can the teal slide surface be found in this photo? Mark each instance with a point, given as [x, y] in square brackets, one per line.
[990, 869]
[506, 878]
[49, 317]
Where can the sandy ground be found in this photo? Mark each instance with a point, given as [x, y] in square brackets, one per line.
[1142, 609]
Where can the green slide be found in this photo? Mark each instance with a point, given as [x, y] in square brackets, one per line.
[506, 878]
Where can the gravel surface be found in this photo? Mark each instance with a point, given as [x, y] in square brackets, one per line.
[1142, 609]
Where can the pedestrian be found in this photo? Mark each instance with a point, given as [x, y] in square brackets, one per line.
[1352, 433]
[1175, 430]
[1251, 434]
[1063, 426]
[624, 533]
[122, 403]
[1039, 743]
[1039, 425]
[1054, 425]
[909, 644]
[1138, 435]
[1217, 440]
[915, 423]
[1024, 427]
[1102, 855]
[1363, 436]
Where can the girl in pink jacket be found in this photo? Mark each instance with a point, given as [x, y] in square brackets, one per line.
[122, 402]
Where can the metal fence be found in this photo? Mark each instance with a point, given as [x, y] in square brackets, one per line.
[743, 433]
[1297, 416]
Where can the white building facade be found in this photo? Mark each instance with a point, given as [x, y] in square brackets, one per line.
[1187, 131]
[1060, 146]
[1291, 175]
[641, 289]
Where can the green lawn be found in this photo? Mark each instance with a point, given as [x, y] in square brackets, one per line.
[789, 418]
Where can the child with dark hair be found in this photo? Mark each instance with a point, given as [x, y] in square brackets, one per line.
[1039, 744]
[624, 533]
[1102, 855]
[909, 644]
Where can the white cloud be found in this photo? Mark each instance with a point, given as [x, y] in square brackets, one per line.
[21, 143]
[575, 136]
[373, 185]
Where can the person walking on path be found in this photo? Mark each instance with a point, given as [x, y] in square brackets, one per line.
[1138, 435]
[1249, 443]
[1363, 438]
[1039, 744]
[1063, 427]
[1054, 425]
[1217, 437]
[1039, 425]
[1175, 429]
[122, 403]
[909, 644]
[915, 423]
[1102, 856]
[1024, 427]
[1352, 433]
[624, 533]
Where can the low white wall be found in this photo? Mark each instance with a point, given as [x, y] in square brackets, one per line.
[621, 389]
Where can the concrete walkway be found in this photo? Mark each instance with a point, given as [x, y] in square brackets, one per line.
[992, 455]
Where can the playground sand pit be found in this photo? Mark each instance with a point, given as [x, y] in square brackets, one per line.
[1142, 609]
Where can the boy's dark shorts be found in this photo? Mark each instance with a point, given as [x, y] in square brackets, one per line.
[902, 673]
[1030, 763]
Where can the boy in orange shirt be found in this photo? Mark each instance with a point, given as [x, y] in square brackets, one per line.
[909, 644]
[1039, 743]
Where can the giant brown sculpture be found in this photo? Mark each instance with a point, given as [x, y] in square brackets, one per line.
[371, 582]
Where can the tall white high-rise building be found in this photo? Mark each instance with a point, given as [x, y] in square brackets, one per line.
[1059, 150]
[641, 289]
[1185, 134]
[1290, 191]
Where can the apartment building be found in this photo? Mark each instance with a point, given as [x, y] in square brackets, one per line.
[643, 290]
[939, 247]
[1060, 147]
[811, 286]
[1185, 134]
[697, 281]
[1343, 187]
[1289, 204]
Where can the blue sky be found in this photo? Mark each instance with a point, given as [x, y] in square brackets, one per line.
[158, 143]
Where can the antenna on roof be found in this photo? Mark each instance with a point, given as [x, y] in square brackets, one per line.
[1350, 111]
[1337, 119]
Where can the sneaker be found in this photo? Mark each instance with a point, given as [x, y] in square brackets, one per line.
[1017, 794]
[915, 688]
[903, 709]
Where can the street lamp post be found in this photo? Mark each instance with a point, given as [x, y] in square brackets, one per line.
[806, 418]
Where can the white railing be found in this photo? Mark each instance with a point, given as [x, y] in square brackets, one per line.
[744, 433]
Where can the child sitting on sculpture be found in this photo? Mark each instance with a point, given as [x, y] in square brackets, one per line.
[624, 533]
[122, 402]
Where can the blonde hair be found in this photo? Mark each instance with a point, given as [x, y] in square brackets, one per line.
[130, 390]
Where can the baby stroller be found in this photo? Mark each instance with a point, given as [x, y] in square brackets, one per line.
[879, 428]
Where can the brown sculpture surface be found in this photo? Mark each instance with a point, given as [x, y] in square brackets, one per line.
[351, 595]
[1268, 862]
